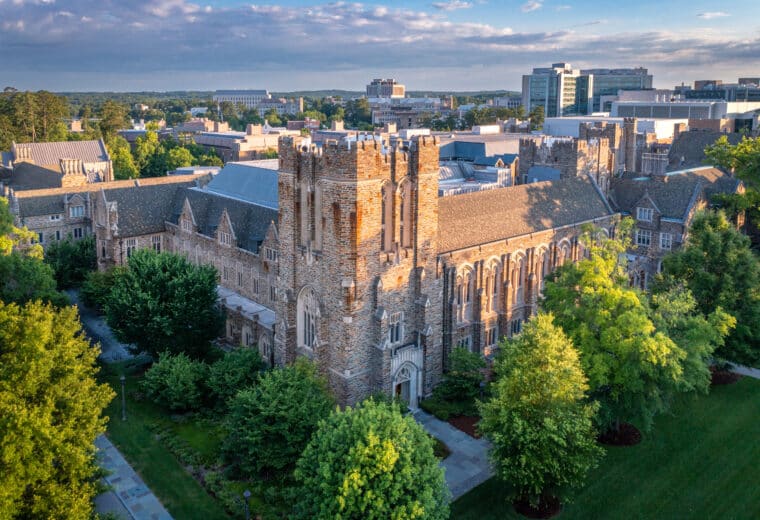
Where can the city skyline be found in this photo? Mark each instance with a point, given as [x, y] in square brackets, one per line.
[87, 45]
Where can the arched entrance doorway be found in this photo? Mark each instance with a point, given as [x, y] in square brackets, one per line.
[405, 385]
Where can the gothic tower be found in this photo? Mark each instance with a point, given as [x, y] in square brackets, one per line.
[357, 283]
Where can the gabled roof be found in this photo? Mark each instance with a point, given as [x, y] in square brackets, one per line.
[49, 154]
[249, 181]
[249, 221]
[488, 216]
[143, 210]
[672, 194]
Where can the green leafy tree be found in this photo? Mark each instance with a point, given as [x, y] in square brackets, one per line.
[675, 312]
[96, 288]
[721, 271]
[176, 382]
[123, 162]
[23, 274]
[113, 117]
[179, 157]
[462, 381]
[742, 158]
[539, 423]
[272, 117]
[237, 370]
[630, 365]
[370, 462]
[161, 302]
[72, 260]
[51, 411]
[536, 117]
[269, 424]
[146, 147]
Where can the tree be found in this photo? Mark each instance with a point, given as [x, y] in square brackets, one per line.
[113, 117]
[146, 147]
[71, 260]
[272, 117]
[50, 413]
[370, 462]
[237, 370]
[269, 424]
[630, 365]
[721, 271]
[23, 274]
[675, 312]
[463, 379]
[176, 382]
[536, 117]
[538, 421]
[161, 302]
[121, 156]
[742, 158]
[179, 157]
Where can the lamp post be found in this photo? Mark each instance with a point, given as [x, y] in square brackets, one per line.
[123, 398]
[247, 496]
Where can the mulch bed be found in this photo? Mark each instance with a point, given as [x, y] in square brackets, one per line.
[723, 377]
[547, 508]
[467, 424]
[627, 435]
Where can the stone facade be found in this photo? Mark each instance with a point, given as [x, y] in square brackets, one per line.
[571, 157]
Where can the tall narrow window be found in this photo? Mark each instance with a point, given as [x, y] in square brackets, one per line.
[318, 217]
[156, 243]
[307, 315]
[405, 214]
[395, 329]
[387, 217]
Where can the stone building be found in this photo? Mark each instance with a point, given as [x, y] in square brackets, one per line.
[57, 213]
[550, 158]
[663, 205]
[354, 260]
[55, 165]
[252, 144]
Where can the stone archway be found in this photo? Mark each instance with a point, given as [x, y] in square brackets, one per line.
[406, 385]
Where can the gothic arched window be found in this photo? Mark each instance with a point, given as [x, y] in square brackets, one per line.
[307, 319]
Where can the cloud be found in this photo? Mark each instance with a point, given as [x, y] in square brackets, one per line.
[178, 44]
[452, 5]
[563, 7]
[712, 14]
[532, 5]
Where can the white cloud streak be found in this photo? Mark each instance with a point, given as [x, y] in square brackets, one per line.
[531, 5]
[452, 5]
[712, 14]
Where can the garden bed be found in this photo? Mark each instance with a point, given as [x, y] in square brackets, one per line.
[723, 376]
[466, 423]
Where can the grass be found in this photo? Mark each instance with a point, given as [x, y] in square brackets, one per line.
[701, 461]
[178, 491]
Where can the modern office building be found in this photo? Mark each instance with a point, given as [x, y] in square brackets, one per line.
[564, 91]
[561, 90]
[249, 98]
[385, 88]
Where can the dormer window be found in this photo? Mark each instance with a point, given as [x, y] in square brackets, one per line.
[187, 225]
[76, 211]
[225, 238]
[644, 214]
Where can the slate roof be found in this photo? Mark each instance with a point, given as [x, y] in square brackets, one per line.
[250, 222]
[487, 216]
[143, 209]
[250, 181]
[49, 154]
[506, 158]
[690, 146]
[675, 193]
[28, 176]
[45, 205]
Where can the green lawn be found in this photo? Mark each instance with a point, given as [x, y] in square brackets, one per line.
[702, 461]
[179, 492]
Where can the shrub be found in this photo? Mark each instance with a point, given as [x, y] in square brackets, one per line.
[269, 424]
[462, 382]
[370, 462]
[96, 288]
[237, 370]
[176, 382]
[72, 260]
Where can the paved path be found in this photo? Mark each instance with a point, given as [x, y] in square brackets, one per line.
[467, 466]
[746, 371]
[111, 350]
[135, 500]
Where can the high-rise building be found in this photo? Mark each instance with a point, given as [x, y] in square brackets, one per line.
[385, 88]
[607, 82]
[561, 90]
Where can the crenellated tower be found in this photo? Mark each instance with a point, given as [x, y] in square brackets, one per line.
[358, 227]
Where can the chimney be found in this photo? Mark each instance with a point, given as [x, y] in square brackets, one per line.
[337, 126]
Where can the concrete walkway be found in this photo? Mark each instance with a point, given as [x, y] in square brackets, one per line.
[130, 498]
[111, 350]
[467, 466]
[746, 371]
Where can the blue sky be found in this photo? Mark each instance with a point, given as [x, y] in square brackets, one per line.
[438, 44]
